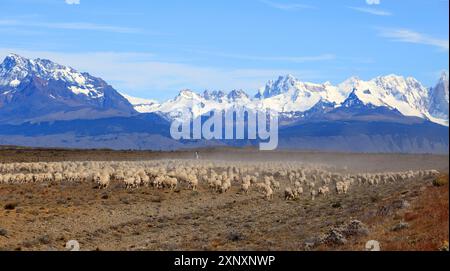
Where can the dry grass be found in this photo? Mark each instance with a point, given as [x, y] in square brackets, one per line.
[428, 220]
[46, 216]
[441, 181]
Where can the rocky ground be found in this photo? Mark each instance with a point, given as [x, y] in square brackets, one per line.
[402, 216]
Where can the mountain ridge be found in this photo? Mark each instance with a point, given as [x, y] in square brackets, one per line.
[41, 90]
[50, 105]
[289, 96]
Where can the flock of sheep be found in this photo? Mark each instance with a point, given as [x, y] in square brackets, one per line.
[298, 179]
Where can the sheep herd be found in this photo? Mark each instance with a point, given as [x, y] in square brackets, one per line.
[289, 180]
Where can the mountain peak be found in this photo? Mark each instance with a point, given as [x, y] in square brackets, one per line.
[14, 60]
[354, 100]
[16, 67]
[287, 80]
[216, 95]
[350, 85]
[41, 89]
[444, 77]
[18, 60]
[352, 81]
[286, 93]
[237, 94]
[282, 85]
[187, 94]
[15, 57]
[49, 64]
[396, 80]
[141, 105]
[288, 77]
[439, 98]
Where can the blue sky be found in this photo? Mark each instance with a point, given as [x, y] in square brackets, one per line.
[153, 49]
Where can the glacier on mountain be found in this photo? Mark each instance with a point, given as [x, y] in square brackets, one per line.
[287, 95]
[291, 97]
[41, 90]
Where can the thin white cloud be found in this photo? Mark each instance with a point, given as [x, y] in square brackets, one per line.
[70, 26]
[373, 2]
[372, 11]
[142, 75]
[286, 6]
[409, 36]
[293, 59]
[72, 2]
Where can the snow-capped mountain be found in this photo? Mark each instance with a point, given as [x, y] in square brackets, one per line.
[292, 98]
[298, 95]
[199, 104]
[50, 105]
[439, 96]
[142, 105]
[40, 90]
[16, 69]
[288, 95]
[238, 95]
[406, 95]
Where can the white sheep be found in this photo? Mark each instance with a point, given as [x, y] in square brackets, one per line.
[192, 182]
[289, 194]
[215, 184]
[170, 183]
[226, 185]
[342, 187]
[324, 190]
[266, 189]
[245, 187]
